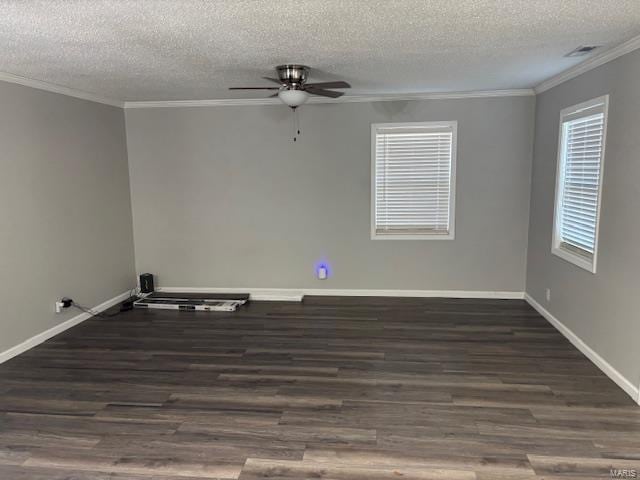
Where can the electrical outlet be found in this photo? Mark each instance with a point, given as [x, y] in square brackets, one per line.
[63, 303]
[322, 272]
[548, 294]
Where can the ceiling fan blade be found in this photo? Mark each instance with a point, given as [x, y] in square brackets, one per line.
[322, 92]
[275, 80]
[329, 85]
[274, 95]
[254, 88]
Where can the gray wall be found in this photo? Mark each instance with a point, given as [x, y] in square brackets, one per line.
[65, 208]
[222, 197]
[601, 309]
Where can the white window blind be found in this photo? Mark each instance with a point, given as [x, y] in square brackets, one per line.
[579, 182]
[414, 166]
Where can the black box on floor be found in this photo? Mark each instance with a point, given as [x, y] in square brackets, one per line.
[146, 283]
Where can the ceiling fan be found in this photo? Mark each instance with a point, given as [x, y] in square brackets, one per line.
[293, 88]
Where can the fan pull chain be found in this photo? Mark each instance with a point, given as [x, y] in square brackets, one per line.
[296, 124]
[295, 128]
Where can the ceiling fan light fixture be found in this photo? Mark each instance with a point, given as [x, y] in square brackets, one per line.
[293, 97]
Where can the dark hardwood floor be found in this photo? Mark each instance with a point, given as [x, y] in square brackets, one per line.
[334, 388]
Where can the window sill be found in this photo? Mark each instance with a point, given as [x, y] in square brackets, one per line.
[588, 264]
[417, 236]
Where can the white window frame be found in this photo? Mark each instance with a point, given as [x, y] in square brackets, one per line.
[452, 190]
[588, 263]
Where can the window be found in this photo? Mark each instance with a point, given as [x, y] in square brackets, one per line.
[413, 170]
[581, 147]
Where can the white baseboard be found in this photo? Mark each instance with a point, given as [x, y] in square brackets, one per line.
[296, 294]
[268, 294]
[632, 390]
[61, 327]
[416, 293]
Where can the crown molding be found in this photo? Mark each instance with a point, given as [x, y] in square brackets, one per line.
[593, 62]
[346, 99]
[52, 87]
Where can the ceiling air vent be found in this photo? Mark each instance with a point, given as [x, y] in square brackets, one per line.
[582, 50]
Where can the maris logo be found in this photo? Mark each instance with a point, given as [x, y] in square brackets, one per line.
[624, 473]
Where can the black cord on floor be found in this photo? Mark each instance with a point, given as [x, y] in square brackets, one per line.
[93, 313]
[132, 293]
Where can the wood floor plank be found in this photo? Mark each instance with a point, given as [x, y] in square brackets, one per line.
[259, 469]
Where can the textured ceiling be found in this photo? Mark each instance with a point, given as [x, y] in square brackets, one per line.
[188, 50]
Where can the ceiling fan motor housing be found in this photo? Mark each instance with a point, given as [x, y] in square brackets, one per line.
[293, 76]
